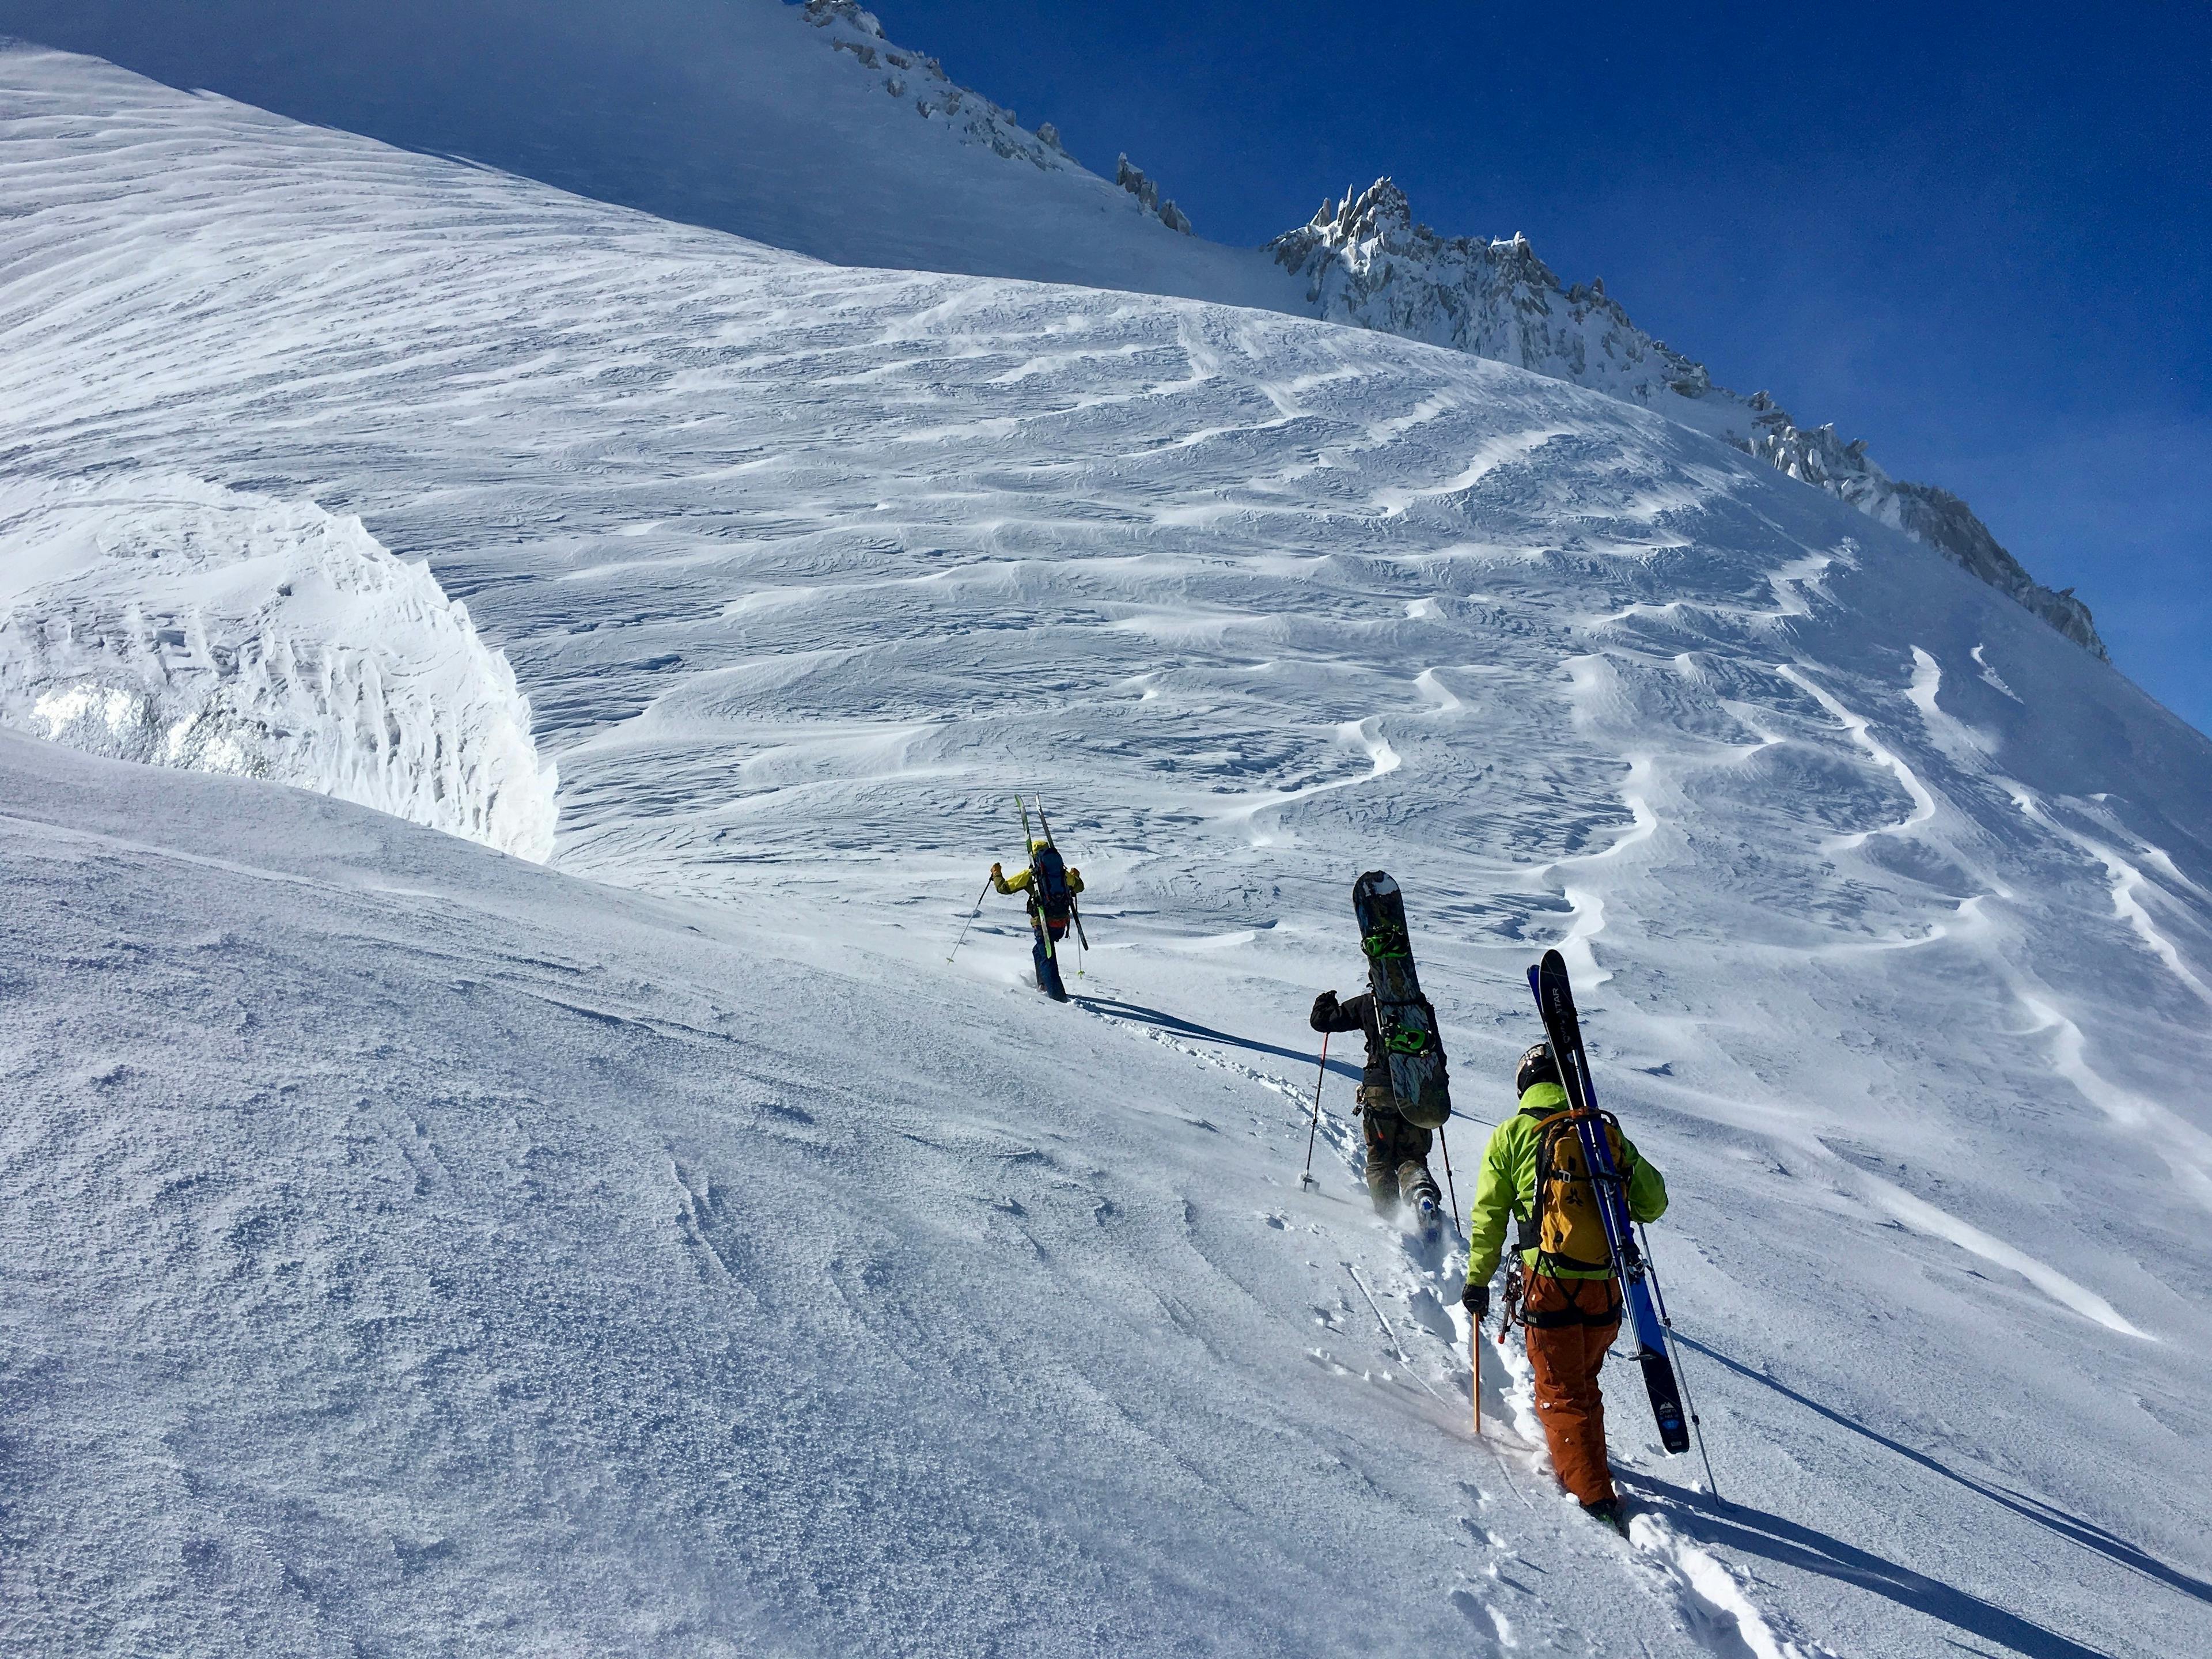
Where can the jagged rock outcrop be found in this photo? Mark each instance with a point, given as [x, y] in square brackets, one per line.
[1364, 261]
[1131, 179]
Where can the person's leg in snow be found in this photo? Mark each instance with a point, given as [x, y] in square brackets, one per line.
[1046, 960]
[1397, 1153]
[1570, 1324]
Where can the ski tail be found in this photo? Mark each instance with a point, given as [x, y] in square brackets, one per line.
[1666, 1400]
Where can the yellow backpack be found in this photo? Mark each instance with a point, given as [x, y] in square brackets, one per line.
[1569, 1233]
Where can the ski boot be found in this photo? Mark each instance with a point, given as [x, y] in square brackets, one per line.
[1424, 1203]
[1607, 1513]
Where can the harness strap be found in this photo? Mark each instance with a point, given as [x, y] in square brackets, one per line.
[1573, 1313]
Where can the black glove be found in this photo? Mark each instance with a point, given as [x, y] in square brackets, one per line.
[1324, 1011]
[1475, 1298]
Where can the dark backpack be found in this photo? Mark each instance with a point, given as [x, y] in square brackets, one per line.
[1048, 878]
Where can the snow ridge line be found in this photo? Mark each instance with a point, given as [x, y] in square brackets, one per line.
[1861, 734]
[1924, 1217]
[2125, 881]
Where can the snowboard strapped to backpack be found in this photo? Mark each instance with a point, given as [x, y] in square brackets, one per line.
[1405, 1020]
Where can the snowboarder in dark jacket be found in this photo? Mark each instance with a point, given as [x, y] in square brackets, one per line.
[1397, 1151]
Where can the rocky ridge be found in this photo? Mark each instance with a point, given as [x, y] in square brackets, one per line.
[1365, 262]
[908, 75]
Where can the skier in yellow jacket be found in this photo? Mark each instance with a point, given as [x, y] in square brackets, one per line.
[1052, 887]
[1571, 1296]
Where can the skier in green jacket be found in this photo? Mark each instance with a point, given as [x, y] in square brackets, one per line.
[1569, 1294]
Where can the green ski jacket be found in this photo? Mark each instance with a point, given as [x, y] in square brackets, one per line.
[1507, 1189]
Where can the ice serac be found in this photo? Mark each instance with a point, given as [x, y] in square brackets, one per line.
[1364, 261]
[170, 622]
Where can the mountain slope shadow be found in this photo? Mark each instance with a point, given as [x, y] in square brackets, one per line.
[1180, 1027]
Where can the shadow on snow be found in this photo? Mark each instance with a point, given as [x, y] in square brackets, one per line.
[1754, 1532]
[1180, 1027]
[2086, 1534]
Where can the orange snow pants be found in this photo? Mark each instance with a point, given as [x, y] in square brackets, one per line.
[1571, 1323]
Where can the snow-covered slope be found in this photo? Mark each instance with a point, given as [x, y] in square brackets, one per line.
[409, 1250]
[1364, 260]
[799, 126]
[448, 1254]
[803, 128]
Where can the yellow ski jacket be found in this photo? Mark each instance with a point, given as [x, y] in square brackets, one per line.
[1019, 882]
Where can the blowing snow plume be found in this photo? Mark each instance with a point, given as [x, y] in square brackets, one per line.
[176, 624]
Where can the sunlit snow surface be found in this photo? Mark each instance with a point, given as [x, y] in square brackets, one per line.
[444, 1253]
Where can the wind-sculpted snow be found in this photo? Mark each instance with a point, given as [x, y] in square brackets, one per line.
[641, 1282]
[805, 128]
[1364, 260]
[164, 621]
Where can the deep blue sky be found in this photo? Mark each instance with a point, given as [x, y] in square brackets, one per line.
[1976, 235]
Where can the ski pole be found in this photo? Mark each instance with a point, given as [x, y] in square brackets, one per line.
[1474, 1357]
[1306, 1180]
[1449, 1184]
[1681, 1376]
[972, 914]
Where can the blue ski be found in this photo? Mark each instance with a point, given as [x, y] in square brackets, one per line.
[1555, 1002]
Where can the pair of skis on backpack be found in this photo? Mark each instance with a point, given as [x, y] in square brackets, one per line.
[1555, 1003]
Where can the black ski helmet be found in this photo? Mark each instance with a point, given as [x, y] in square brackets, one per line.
[1536, 1066]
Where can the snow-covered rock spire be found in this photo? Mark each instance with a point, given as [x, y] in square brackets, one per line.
[1131, 179]
[915, 77]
